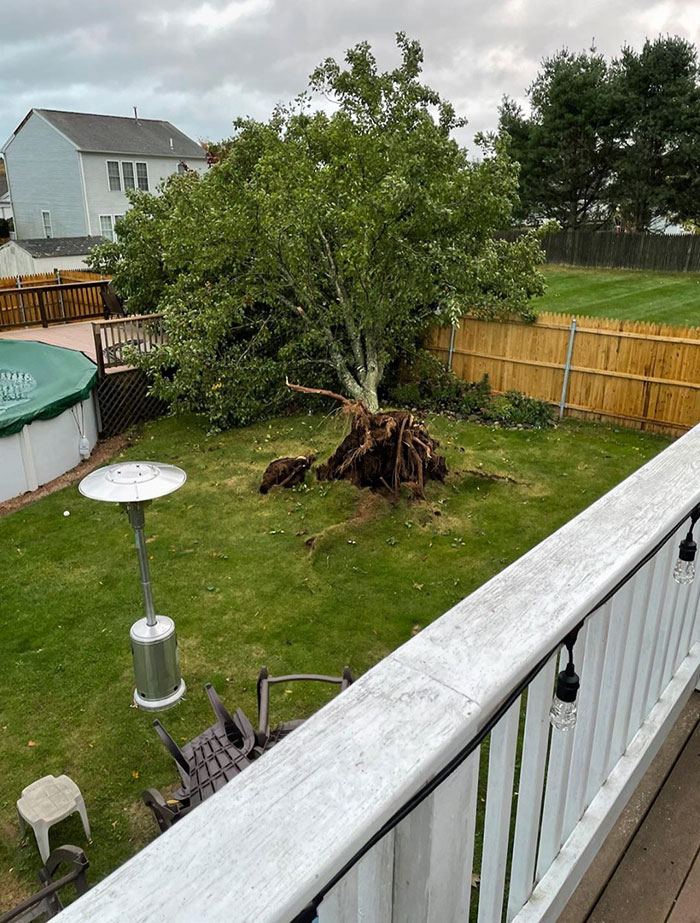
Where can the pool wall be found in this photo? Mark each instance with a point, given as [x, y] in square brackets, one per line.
[44, 449]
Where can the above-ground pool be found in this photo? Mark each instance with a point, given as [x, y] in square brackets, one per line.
[48, 421]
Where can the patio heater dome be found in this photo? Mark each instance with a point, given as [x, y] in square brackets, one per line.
[153, 638]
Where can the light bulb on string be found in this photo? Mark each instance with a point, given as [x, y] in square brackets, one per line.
[562, 714]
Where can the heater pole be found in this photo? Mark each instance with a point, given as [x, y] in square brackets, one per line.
[138, 522]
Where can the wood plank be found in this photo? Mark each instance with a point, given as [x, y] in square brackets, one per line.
[653, 870]
[499, 802]
[530, 786]
[582, 370]
[433, 853]
[687, 906]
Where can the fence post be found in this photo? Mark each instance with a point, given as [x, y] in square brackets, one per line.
[99, 352]
[60, 293]
[42, 308]
[567, 368]
[452, 348]
[21, 300]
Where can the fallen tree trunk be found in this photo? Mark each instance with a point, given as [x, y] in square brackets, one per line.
[382, 450]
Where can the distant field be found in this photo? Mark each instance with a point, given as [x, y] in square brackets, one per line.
[659, 297]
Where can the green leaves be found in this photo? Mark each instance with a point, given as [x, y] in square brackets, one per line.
[322, 246]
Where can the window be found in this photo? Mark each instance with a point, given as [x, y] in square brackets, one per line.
[128, 174]
[113, 177]
[142, 176]
[116, 231]
[107, 227]
[46, 218]
[182, 168]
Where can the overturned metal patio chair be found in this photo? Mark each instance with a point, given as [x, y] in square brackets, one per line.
[46, 902]
[267, 738]
[225, 749]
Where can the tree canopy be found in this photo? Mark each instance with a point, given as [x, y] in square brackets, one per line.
[611, 141]
[323, 244]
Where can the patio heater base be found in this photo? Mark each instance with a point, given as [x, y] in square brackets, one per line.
[156, 664]
[160, 704]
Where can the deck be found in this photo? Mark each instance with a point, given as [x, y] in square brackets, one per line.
[78, 336]
[648, 869]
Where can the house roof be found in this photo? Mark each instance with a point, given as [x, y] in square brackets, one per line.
[3, 186]
[115, 134]
[57, 246]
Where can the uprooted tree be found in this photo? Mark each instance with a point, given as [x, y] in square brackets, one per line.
[321, 245]
[381, 451]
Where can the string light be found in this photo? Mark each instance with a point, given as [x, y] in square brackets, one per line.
[684, 571]
[562, 714]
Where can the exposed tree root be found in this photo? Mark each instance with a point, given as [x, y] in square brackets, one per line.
[382, 450]
[286, 472]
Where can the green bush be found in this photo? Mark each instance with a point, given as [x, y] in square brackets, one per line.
[424, 382]
[516, 409]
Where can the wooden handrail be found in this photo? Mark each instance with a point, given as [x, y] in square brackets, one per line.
[141, 332]
[98, 283]
[127, 318]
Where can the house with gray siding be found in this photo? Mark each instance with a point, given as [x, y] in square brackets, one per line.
[68, 172]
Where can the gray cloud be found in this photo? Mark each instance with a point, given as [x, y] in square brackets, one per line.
[201, 64]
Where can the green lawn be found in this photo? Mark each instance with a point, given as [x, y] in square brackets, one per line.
[234, 569]
[660, 297]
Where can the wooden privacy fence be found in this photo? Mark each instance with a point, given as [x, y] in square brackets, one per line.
[625, 372]
[51, 304]
[56, 277]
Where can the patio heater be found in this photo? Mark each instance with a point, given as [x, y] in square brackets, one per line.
[153, 640]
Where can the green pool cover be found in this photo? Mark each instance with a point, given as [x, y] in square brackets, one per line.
[38, 382]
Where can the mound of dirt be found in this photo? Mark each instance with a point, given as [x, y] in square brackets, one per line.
[286, 472]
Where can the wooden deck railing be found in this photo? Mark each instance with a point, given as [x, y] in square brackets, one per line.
[116, 337]
[51, 304]
[439, 764]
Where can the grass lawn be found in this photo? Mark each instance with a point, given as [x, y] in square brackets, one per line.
[234, 569]
[660, 297]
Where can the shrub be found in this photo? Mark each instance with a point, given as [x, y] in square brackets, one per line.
[516, 409]
[425, 382]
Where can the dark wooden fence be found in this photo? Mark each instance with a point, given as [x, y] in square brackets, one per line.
[608, 249]
[124, 401]
[51, 304]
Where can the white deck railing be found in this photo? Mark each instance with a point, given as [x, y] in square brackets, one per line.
[270, 842]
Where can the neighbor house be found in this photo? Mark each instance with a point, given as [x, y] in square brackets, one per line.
[5, 202]
[30, 257]
[68, 172]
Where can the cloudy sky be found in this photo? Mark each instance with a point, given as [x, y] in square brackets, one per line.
[202, 64]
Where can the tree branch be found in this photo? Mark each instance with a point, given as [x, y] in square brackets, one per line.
[321, 391]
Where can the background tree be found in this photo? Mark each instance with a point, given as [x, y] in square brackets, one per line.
[657, 121]
[323, 242]
[622, 140]
[564, 146]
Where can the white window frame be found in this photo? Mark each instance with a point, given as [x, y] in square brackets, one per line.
[102, 233]
[45, 212]
[119, 176]
[142, 163]
[133, 175]
[114, 224]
